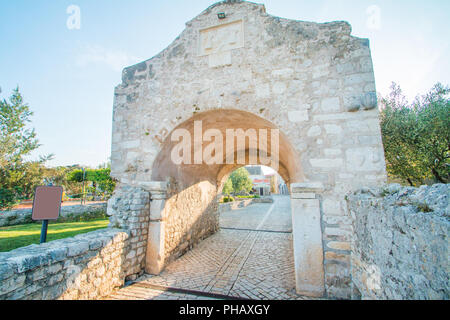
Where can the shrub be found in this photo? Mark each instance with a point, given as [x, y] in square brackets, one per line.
[228, 199]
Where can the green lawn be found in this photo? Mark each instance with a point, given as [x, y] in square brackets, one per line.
[23, 235]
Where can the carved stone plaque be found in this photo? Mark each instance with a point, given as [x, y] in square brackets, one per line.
[218, 41]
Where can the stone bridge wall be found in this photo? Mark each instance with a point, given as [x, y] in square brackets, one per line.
[400, 244]
[88, 266]
[22, 216]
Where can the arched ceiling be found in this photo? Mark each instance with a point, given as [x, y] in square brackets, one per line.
[222, 119]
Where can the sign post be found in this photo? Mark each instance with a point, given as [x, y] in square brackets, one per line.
[46, 206]
[44, 231]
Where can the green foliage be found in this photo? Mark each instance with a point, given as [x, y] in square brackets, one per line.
[228, 187]
[241, 181]
[59, 177]
[16, 140]
[18, 178]
[249, 197]
[227, 199]
[416, 136]
[7, 198]
[100, 177]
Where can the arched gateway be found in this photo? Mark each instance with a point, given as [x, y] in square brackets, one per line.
[237, 67]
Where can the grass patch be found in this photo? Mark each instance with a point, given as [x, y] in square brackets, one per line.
[423, 206]
[14, 237]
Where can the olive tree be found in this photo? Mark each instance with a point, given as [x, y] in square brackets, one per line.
[416, 136]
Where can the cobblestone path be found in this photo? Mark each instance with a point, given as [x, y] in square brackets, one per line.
[251, 257]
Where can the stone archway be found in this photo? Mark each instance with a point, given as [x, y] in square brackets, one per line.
[186, 209]
[313, 81]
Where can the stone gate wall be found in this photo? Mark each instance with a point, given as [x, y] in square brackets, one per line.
[400, 242]
[313, 81]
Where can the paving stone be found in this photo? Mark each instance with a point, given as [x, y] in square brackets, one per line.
[251, 257]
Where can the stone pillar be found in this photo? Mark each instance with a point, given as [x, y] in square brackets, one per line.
[307, 233]
[154, 259]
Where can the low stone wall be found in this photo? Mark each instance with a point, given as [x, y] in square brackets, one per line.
[23, 216]
[265, 199]
[400, 242]
[228, 206]
[87, 266]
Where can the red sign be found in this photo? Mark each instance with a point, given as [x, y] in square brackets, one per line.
[47, 203]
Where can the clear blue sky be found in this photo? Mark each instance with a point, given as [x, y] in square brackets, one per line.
[68, 76]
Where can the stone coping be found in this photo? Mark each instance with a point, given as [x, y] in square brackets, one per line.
[36, 255]
[305, 187]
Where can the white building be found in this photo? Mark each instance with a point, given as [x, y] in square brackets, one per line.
[266, 181]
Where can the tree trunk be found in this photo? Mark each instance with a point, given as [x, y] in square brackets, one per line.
[437, 176]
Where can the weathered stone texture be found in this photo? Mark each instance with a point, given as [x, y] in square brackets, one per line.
[313, 81]
[129, 209]
[400, 243]
[22, 216]
[87, 266]
[191, 215]
[303, 77]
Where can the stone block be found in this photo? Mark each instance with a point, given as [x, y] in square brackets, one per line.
[339, 245]
[298, 116]
[331, 105]
[12, 284]
[331, 231]
[365, 159]
[283, 73]
[331, 206]
[314, 131]
[327, 163]
[6, 270]
[77, 248]
[308, 251]
[157, 209]
[333, 129]
[155, 248]
[303, 187]
[332, 152]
